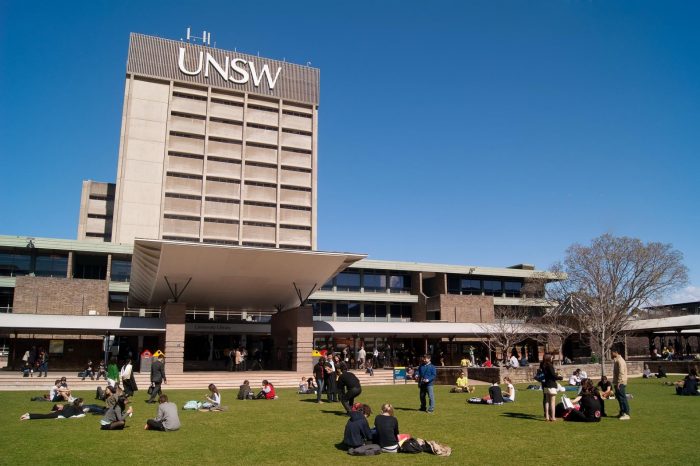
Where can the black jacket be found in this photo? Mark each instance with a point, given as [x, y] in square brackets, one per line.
[356, 430]
[348, 380]
[387, 430]
[157, 371]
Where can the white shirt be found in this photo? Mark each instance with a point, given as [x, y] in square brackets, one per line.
[574, 380]
[215, 399]
[125, 373]
[514, 362]
[511, 392]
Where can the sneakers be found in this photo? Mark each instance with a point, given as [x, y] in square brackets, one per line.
[625, 417]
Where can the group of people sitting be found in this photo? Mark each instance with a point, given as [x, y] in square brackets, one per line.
[114, 412]
[496, 395]
[689, 385]
[383, 437]
[647, 374]
[307, 386]
[267, 391]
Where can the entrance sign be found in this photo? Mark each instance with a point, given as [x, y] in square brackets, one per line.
[227, 328]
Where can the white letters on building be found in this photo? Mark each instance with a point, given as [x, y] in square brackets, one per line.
[239, 72]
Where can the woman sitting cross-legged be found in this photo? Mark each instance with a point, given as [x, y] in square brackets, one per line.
[509, 397]
[462, 384]
[387, 427]
[213, 402]
[267, 392]
[115, 418]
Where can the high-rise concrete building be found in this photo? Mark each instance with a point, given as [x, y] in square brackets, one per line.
[216, 147]
[96, 210]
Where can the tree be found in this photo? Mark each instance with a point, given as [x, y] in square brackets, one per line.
[510, 327]
[613, 276]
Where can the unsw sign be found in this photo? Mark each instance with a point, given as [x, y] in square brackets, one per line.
[237, 70]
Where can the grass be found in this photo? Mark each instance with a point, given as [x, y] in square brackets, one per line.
[293, 430]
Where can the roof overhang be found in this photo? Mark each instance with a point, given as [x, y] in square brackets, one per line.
[410, 329]
[91, 325]
[664, 324]
[223, 276]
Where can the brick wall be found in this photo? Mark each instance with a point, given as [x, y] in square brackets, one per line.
[48, 295]
[527, 374]
[465, 308]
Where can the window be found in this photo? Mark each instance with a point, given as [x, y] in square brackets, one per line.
[51, 265]
[90, 267]
[323, 311]
[512, 289]
[453, 284]
[375, 311]
[6, 298]
[401, 312]
[493, 287]
[328, 286]
[399, 282]
[354, 311]
[121, 270]
[14, 265]
[348, 281]
[374, 281]
[470, 286]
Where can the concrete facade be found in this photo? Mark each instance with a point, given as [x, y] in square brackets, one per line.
[292, 334]
[96, 211]
[215, 163]
[462, 308]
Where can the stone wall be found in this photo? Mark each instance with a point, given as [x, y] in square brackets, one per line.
[527, 374]
[292, 334]
[49, 295]
[464, 308]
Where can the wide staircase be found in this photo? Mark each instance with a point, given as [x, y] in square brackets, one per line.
[13, 380]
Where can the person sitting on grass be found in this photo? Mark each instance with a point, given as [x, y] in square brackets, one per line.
[74, 409]
[462, 384]
[589, 405]
[646, 372]
[267, 392]
[510, 396]
[303, 386]
[689, 385]
[59, 392]
[357, 431]
[213, 402]
[245, 392]
[661, 373]
[115, 417]
[387, 428]
[166, 418]
[312, 385]
[575, 379]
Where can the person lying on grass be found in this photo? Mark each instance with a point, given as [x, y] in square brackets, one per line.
[71, 410]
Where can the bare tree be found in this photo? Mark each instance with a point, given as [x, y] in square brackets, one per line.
[510, 327]
[613, 276]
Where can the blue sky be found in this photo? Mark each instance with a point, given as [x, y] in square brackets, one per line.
[477, 132]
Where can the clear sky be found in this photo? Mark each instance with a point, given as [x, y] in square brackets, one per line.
[468, 132]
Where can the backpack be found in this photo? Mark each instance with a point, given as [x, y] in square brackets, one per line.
[438, 449]
[410, 445]
[192, 404]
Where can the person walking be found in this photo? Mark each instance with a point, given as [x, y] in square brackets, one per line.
[620, 384]
[157, 378]
[426, 378]
[43, 363]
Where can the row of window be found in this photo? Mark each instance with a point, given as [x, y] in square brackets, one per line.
[458, 284]
[20, 263]
[354, 311]
[369, 280]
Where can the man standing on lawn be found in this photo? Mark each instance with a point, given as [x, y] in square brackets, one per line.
[426, 378]
[620, 384]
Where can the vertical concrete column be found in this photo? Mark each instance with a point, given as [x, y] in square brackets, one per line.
[295, 325]
[109, 267]
[69, 268]
[174, 337]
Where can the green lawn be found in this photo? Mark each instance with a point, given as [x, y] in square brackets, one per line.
[291, 430]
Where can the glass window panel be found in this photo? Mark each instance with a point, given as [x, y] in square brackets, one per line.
[348, 281]
[14, 265]
[341, 310]
[51, 266]
[453, 284]
[471, 286]
[328, 286]
[354, 310]
[400, 282]
[380, 311]
[492, 287]
[406, 311]
[374, 281]
[512, 288]
[121, 270]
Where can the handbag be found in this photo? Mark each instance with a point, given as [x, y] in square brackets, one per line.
[151, 388]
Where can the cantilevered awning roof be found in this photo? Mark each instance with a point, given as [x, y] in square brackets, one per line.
[223, 276]
[663, 324]
[409, 329]
[94, 325]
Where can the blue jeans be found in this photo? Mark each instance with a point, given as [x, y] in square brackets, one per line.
[621, 397]
[319, 391]
[427, 390]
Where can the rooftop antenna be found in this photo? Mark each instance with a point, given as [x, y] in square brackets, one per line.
[205, 39]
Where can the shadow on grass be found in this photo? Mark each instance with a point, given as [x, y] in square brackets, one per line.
[527, 416]
[337, 413]
[341, 446]
[396, 408]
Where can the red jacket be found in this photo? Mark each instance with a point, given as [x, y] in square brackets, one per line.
[269, 395]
